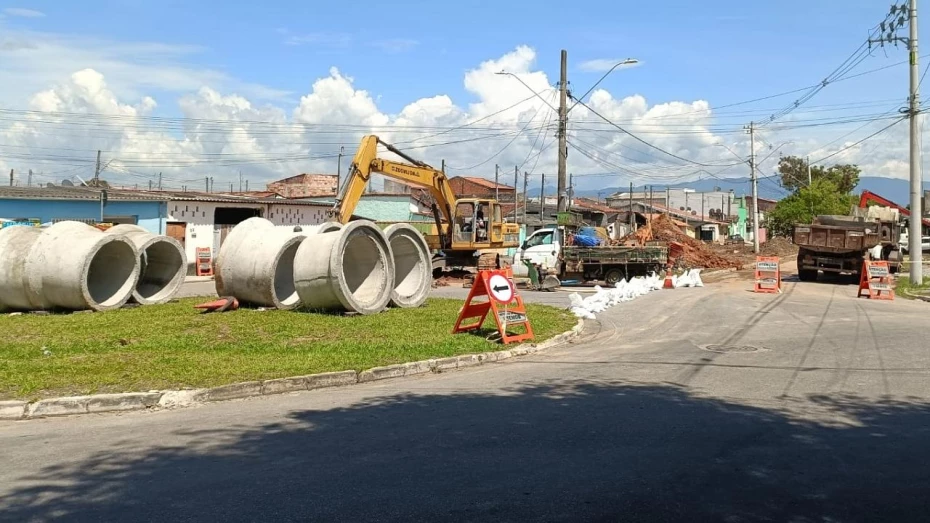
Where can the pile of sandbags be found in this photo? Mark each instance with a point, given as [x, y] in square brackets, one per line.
[353, 268]
[624, 291]
[74, 266]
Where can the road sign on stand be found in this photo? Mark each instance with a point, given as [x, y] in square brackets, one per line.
[875, 281]
[768, 274]
[494, 292]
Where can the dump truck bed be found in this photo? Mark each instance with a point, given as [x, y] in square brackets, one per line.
[616, 254]
[837, 239]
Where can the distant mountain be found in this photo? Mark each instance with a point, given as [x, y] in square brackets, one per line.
[894, 189]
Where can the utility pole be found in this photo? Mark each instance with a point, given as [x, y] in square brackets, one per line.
[516, 174]
[563, 120]
[206, 180]
[497, 193]
[230, 187]
[915, 233]
[342, 150]
[212, 187]
[11, 177]
[632, 216]
[755, 187]
[159, 181]
[894, 20]
[526, 179]
[150, 185]
[542, 199]
[810, 179]
[240, 181]
[97, 171]
[29, 183]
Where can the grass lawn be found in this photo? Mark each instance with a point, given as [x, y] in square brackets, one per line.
[906, 289]
[175, 346]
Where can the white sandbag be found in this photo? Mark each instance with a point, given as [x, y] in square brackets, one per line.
[696, 277]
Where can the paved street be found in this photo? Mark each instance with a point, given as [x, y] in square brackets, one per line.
[707, 404]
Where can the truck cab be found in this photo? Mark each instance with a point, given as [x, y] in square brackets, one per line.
[541, 248]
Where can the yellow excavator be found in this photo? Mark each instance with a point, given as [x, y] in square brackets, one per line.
[463, 227]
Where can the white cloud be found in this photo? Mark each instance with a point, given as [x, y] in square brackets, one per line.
[324, 39]
[396, 45]
[36, 60]
[602, 65]
[223, 133]
[23, 12]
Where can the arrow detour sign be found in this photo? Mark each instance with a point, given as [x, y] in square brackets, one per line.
[494, 292]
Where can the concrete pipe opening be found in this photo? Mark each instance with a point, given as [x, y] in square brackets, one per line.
[162, 262]
[349, 269]
[256, 264]
[111, 274]
[413, 268]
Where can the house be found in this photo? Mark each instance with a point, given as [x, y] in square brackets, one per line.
[718, 204]
[48, 205]
[306, 186]
[475, 187]
[203, 220]
[700, 227]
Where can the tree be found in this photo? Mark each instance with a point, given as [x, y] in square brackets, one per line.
[794, 175]
[823, 196]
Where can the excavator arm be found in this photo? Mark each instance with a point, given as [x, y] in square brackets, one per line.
[417, 174]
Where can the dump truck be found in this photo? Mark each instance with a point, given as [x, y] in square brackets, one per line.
[839, 245]
[545, 249]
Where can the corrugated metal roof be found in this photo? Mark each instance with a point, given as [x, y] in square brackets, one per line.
[75, 193]
[193, 196]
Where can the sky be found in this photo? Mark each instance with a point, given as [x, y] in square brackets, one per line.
[209, 89]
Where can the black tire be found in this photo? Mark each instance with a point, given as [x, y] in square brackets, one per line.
[612, 276]
[807, 274]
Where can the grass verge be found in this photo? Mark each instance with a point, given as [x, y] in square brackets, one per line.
[906, 289]
[175, 346]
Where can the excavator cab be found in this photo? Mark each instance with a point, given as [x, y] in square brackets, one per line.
[478, 223]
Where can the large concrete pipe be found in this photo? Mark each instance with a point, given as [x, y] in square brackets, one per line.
[15, 244]
[162, 264]
[256, 264]
[413, 267]
[75, 266]
[350, 269]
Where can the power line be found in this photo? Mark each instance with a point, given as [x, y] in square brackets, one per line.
[876, 133]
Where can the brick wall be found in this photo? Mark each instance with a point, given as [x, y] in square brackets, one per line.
[467, 188]
[305, 185]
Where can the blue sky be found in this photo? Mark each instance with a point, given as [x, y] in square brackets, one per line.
[724, 51]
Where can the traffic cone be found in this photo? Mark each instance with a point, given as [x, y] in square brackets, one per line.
[668, 280]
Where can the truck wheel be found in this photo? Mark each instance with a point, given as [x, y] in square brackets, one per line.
[807, 274]
[612, 276]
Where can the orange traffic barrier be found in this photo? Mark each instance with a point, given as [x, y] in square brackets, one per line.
[768, 274]
[875, 281]
[227, 303]
[495, 293]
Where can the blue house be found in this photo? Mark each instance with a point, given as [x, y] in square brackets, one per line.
[47, 205]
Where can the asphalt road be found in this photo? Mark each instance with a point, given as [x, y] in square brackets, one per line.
[709, 404]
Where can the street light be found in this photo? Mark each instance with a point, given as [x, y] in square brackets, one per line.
[628, 61]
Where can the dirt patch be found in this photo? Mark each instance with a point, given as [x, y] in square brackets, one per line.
[687, 250]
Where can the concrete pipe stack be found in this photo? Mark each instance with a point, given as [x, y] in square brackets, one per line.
[353, 268]
[70, 265]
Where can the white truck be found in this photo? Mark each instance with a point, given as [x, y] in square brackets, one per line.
[546, 250]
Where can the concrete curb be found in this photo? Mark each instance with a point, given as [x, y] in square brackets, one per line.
[172, 399]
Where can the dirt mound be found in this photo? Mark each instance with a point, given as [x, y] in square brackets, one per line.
[694, 253]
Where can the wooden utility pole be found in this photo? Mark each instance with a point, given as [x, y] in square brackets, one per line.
[526, 179]
[632, 216]
[516, 174]
[497, 192]
[542, 197]
[97, 171]
[563, 120]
